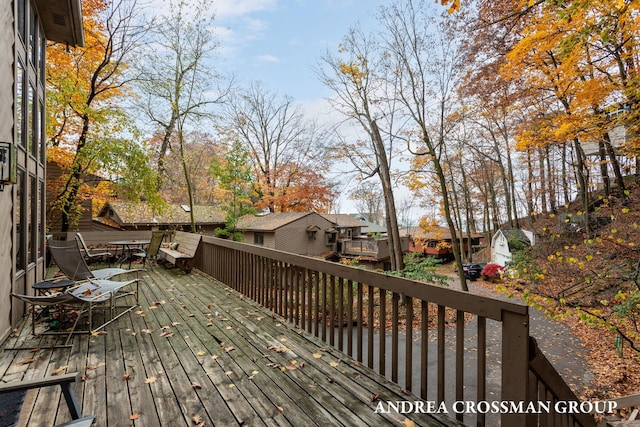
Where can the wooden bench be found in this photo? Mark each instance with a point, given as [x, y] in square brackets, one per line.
[182, 250]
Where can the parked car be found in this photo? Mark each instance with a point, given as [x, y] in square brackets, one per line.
[473, 271]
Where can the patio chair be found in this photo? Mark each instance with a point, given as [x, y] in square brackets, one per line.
[153, 249]
[86, 297]
[89, 254]
[65, 382]
[69, 259]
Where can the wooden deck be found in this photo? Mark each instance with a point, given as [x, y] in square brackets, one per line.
[198, 353]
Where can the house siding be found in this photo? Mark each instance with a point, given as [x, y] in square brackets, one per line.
[293, 236]
[7, 271]
[22, 248]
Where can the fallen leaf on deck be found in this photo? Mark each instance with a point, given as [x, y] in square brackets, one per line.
[90, 367]
[230, 348]
[175, 324]
[280, 409]
[375, 397]
[210, 324]
[95, 334]
[134, 416]
[291, 366]
[317, 355]
[147, 331]
[196, 386]
[59, 370]
[153, 307]
[201, 353]
[140, 312]
[334, 364]
[214, 356]
[409, 423]
[34, 350]
[167, 334]
[228, 373]
[150, 380]
[196, 419]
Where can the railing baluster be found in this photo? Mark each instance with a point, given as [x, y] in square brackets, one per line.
[395, 319]
[424, 349]
[341, 314]
[481, 367]
[460, 359]
[360, 320]
[350, 317]
[382, 349]
[408, 367]
[304, 275]
[324, 307]
[441, 337]
[370, 325]
[316, 286]
[332, 310]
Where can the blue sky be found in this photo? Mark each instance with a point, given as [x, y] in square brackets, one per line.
[280, 41]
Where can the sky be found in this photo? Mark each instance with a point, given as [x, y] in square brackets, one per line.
[280, 42]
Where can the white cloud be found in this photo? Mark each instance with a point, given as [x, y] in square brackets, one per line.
[227, 8]
[267, 58]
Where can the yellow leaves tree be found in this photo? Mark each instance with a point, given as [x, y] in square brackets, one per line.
[88, 133]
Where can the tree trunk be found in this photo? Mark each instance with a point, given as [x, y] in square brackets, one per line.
[395, 244]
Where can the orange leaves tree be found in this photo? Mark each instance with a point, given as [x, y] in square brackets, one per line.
[286, 151]
[88, 133]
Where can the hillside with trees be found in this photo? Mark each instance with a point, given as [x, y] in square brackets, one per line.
[590, 281]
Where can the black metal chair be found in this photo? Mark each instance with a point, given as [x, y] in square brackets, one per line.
[71, 262]
[65, 382]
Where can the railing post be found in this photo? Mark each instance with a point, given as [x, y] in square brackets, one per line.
[515, 365]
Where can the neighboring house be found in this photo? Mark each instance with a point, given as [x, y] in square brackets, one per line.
[85, 222]
[125, 215]
[352, 242]
[370, 228]
[506, 241]
[436, 242]
[25, 27]
[304, 233]
[345, 226]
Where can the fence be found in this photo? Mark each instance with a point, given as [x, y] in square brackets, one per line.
[441, 344]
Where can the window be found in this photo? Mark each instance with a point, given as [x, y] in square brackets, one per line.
[41, 216]
[20, 136]
[21, 197]
[258, 238]
[20, 19]
[331, 237]
[31, 120]
[32, 220]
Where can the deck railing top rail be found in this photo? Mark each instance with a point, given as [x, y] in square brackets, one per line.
[491, 308]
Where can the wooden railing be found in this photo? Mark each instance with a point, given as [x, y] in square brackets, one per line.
[442, 344]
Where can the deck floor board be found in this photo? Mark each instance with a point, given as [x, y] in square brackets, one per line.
[196, 351]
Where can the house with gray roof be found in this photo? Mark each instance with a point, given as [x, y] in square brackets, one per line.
[127, 215]
[304, 233]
